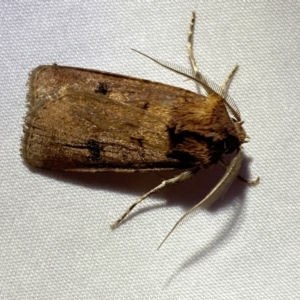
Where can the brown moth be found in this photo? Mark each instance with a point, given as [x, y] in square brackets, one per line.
[93, 121]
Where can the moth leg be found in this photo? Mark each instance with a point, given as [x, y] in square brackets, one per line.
[181, 177]
[250, 182]
[255, 181]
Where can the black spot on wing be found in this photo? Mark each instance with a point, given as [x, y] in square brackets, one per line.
[145, 106]
[139, 141]
[102, 88]
[94, 148]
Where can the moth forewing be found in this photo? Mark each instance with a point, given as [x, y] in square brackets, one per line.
[74, 130]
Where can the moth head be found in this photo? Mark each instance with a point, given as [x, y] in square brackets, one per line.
[234, 142]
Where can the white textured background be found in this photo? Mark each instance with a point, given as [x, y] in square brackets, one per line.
[55, 240]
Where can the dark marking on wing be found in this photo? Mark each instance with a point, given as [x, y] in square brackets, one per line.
[102, 88]
[138, 140]
[93, 146]
[95, 150]
[182, 156]
[145, 106]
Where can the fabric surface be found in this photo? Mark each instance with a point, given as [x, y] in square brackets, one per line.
[54, 226]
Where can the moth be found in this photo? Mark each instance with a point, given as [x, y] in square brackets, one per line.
[92, 121]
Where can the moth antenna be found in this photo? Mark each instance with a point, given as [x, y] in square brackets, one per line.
[225, 85]
[190, 47]
[181, 177]
[190, 44]
[232, 171]
[231, 105]
[207, 84]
